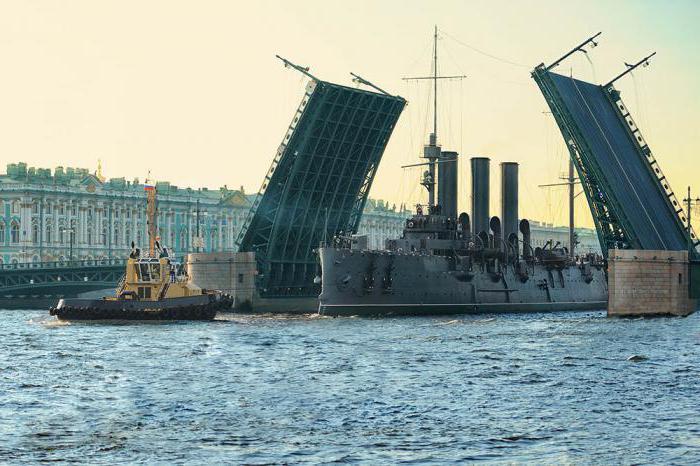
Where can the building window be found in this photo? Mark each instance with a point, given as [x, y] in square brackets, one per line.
[61, 233]
[15, 207]
[35, 208]
[240, 278]
[2, 233]
[48, 233]
[89, 237]
[72, 210]
[48, 207]
[103, 237]
[116, 235]
[35, 234]
[213, 245]
[61, 209]
[14, 233]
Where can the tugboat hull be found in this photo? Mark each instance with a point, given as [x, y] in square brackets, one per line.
[202, 307]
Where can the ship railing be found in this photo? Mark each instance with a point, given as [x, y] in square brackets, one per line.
[163, 290]
[120, 285]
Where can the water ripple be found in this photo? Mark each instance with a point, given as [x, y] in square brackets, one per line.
[551, 388]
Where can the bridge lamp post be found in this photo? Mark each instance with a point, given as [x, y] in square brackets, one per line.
[71, 231]
[199, 242]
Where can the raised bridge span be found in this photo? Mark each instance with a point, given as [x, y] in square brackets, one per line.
[630, 198]
[318, 182]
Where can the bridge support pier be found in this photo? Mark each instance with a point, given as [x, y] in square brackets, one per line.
[230, 272]
[648, 282]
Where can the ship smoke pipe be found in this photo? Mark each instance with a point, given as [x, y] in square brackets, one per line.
[465, 224]
[495, 226]
[447, 184]
[509, 198]
[525, 231]
[480, 194]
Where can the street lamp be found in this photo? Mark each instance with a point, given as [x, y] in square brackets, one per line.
[690, 202]
[70, 231]
[199, 242]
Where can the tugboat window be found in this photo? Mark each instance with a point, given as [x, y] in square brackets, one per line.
[155, 272]
[144, 273]
[144, 292]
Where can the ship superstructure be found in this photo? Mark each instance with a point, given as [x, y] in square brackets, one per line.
[445, 263]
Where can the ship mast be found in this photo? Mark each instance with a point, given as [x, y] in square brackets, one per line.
[571, 182]
[572, 233]
[432, 150]
[435, 78]
[151, 218]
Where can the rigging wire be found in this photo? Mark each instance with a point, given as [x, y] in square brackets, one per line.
[486, 54]
[461, 117]
[453, 139]
[593, 70]
[640, 101]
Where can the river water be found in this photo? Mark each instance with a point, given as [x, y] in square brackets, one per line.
[537, 388]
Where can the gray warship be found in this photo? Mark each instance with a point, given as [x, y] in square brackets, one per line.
[445, 263]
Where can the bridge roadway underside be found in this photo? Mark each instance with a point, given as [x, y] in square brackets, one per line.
[631, 201]
[318, 183]
[22, 287]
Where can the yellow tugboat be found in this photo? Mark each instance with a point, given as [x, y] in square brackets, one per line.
[154, 287]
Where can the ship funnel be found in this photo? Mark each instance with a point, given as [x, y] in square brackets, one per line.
[447, 184]
[495, 226]
[527, 246]
[480, 194]
[465, 223]
[509, 198]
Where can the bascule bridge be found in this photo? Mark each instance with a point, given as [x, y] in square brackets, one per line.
[318, 182]
[631, 200]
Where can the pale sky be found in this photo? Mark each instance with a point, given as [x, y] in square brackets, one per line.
[193, 91]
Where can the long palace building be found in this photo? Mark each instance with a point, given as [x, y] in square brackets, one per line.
[72, 213]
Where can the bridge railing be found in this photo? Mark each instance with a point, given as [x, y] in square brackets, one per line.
[63, 264]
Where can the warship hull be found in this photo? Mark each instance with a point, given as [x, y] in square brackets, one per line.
[386, 283]
[202, 307]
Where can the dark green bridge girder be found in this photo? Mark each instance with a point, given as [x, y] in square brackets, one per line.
[318, 183]
[58, 278]
[631, 201]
